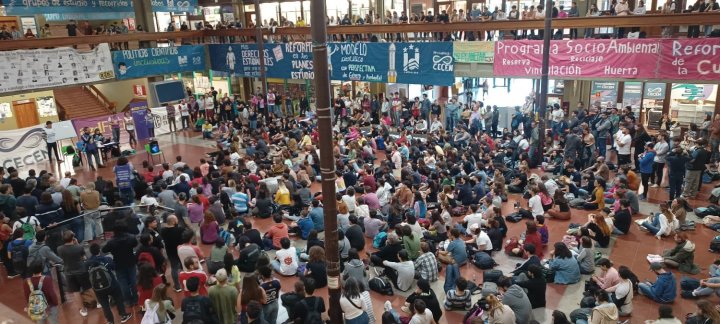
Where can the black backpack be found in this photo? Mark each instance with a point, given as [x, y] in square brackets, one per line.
[483, 261]
[381, 285]
[715, 244]
[100, 278]
[312, 316]
[19, 254]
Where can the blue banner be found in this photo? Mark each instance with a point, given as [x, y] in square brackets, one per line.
[37, 7]
[361, 62]
[241, 60]
[133, 64]
[412, 63]
[424, 63]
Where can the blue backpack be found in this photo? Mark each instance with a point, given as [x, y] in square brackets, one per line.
[379, 240]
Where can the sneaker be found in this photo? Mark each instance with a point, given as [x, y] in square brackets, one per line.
[83, 312]
[125, 318]
[405, 309]
[98, 305]
[654, 186]
[12, 276]
[177, 290]
[387, 306]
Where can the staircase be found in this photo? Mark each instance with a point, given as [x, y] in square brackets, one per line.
[81, 102]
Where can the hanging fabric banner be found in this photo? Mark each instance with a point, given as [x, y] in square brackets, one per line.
[139, 63]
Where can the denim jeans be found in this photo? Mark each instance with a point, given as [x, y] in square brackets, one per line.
[654, 226]
[127, 277]
[253, 124]
[93, 226]
[616, 231]
[127, 196]
[675, 183]
[602, 145]
[452, 273]
[116, 135]
[270, 311]
[645, 288]
[93, 155]
[705, 291]
[52, 316]
[78, 227]
[450, 123]
[104, 300]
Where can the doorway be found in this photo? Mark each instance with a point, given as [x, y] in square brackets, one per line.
[25, 113]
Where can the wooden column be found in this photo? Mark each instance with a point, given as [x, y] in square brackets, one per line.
[717, 103]
[666, 101]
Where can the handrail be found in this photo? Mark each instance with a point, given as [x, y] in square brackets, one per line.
[62, 113]
[106, 103]
[651, 21]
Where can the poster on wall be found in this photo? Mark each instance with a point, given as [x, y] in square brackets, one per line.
[138, 63]
[604, 94]
[22, 148]
[162, 124]
[5, 110]
[47, 68]
[654, 90]
[46, 107]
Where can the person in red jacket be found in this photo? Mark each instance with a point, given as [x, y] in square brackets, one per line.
[532, 236]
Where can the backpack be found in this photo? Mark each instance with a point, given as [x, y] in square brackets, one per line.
[19, 255]
[492, 276]
[476, 311]
[37, 303]
[379, 240]
[715, 244]
[483, 261]
[707, 211]
[28, 229]
[312, 316]
[100, 278]
[381, 285]
[512, 244]
[146, 257]
[514, 217]
[76, 161]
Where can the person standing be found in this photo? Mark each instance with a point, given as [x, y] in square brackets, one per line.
[661, 149]
[171, 235]
[77, 277]
[224, 298]
[130, 128]
[451, 114]
[695, 167]
[51, 141]
[603, 127]
[121, 246]
[91, 149]
[115, 127]
[184, 115]
[676, 160]
[43, 283]
[150, 123]
[102, 264]
[171, 118]
[623, 141]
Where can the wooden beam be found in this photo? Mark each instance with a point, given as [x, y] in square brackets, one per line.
[650, 22]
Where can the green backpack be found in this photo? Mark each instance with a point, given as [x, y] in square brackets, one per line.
[27, 228]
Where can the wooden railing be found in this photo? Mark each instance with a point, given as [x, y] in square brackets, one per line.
[650, 22]
[107, 104]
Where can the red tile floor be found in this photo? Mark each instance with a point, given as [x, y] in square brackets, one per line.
[629, 250]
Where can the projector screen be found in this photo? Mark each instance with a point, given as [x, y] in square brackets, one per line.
[169, 91]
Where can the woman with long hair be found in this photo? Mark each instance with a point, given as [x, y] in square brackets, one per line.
[316, 266]
[71, 208]
[438, 230]
[661, 224]
[352, 303]
[209, 228]
[679, 208]
[707, 313]
[147, 280]
[564, 265]
[563, 207]
[251, 290]
[499, 313]
[597, 229]
[161, 303]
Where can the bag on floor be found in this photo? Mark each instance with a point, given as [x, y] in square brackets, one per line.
[379, 240]
[514, 217]
[492, 276]
[711, 210]
[689, 283]
[483, 261]
[476, 311]
[715, 244]
[549, 275]
[489, 288]
[381, 285]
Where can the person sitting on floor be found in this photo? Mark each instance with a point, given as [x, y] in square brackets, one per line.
[682, 256]
[566, 268]
[663, 289]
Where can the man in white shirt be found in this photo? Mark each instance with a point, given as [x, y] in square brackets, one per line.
[65, 182]
[474, 219]
[624, 146]
[286, 259]
[535, 203]
[383, 194]
[436, 125]
[184, 115]
[483, 242]
[51, 141]
[550, 184]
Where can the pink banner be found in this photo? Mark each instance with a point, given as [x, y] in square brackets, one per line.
[690, 59]
[601, 58]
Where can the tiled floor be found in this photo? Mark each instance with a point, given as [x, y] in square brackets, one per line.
[629, 250]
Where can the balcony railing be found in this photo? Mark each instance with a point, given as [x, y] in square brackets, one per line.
[651, 24]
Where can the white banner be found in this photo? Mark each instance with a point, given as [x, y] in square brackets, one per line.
[23, 148]
[47, 68]
[162, 126]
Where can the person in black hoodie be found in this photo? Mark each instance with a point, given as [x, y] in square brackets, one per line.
[249, 255]
[121, 246]
[676, 160]
[519, 274]
[535, 286]
[426, 294]
[388, 252]
[147, 245]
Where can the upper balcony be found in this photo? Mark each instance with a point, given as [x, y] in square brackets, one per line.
[651, 24]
